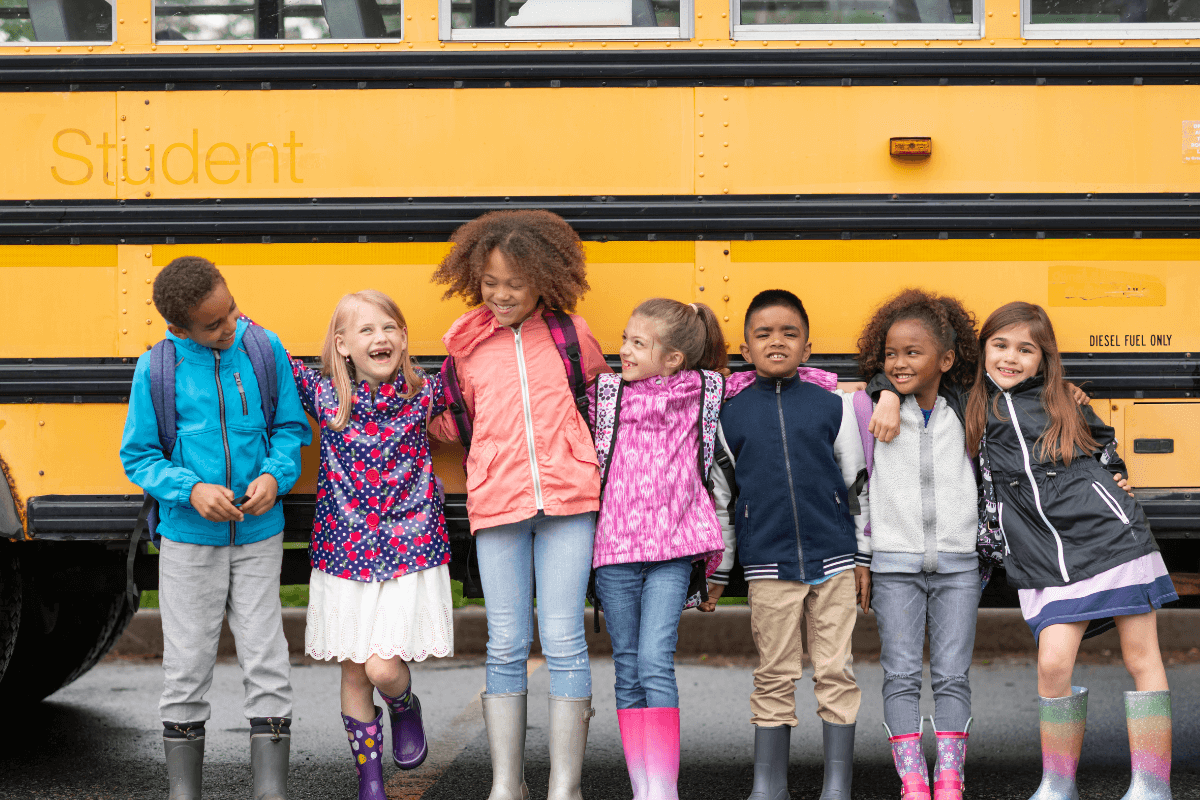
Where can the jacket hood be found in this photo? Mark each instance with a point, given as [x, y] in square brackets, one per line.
[471, 329]
[190, 345]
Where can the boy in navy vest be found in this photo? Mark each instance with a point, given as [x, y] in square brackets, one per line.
[797, 458]
[216, 473]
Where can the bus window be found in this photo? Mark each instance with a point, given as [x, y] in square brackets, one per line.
[223, 20]
[515, 20]
[857, 19]
[56, 21]
[1132, 18]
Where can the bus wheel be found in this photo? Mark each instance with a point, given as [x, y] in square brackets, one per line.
[10, 606]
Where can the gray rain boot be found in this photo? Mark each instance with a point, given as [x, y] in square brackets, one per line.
[569, 718]
[771, 746]
[184, 745]
[505, 716]
[270, 746]
[839, 760]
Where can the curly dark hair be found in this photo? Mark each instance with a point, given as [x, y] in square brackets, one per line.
[950, 324]
[541, 246]
[182, 285]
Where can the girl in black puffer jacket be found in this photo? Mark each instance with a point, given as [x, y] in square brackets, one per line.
[1079, 550]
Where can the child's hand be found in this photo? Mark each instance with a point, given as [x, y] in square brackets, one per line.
[715, 590]
[214, 503]
[862, 587]
[885, 422]
[262, 492]
[1124, 484]
[1078, 395]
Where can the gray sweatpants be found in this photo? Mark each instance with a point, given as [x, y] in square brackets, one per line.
[198, 586]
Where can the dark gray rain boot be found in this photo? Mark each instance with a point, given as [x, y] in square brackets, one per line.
[839, 760]
[184, 745]
[771, 746]
[270, 747]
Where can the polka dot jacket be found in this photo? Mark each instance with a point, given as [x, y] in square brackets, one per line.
[379, 506]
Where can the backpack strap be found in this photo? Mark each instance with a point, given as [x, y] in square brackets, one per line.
[162, 392]
[609, 389]
[456, 404]
[566, 339]
[713, 395]
[723, 460]
[863, 409]
[262, 359]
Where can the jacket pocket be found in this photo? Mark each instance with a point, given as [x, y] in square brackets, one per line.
[1113, 505]
[478, 461]
[584, 452]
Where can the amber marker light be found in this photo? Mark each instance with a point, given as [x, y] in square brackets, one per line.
[911, 146]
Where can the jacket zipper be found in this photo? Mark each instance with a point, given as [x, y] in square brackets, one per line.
[1000, 522]
[787, 462]
[533, 465]
[1112, 504]
[1037, 495]
[224, 438]
[237, 378]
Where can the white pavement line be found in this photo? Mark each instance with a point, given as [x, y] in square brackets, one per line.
[412, 785]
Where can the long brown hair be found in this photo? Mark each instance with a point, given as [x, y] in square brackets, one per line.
[690, 329]
[1066, 434]
[341, 370]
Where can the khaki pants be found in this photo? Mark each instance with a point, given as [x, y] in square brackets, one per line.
[776, 611]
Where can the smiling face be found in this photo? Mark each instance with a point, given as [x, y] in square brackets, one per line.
[642, 352]
[914, 361]
[375, 344]
[776, 342]
[1011, 356]
[214, 320]
[510, 295]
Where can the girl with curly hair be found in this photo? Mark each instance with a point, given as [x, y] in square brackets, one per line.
[533, 485]
[922, 522]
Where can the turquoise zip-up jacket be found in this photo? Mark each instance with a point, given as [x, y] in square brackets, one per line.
[219, 420]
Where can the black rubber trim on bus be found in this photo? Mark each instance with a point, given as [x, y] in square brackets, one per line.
[607, 217]
[107, 380]
[842, 66]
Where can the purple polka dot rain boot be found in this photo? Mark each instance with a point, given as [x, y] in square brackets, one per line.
[366, 745]
[409, 746]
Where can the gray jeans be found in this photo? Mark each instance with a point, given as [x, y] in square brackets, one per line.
[906, 605]
[198, 586]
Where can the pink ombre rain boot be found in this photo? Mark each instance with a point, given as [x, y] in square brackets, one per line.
[949, 773]
[662, 753]
[909, 756]
[633, 723]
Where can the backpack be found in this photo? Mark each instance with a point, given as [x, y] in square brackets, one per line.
[566, 340]
[609, 389]
[162, 396]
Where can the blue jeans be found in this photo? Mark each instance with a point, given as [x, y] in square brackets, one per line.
[905, 604]
[558, 551]
[642, 603]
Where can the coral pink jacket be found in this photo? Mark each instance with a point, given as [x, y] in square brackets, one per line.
[531, 449]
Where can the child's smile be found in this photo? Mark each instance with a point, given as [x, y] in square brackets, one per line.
[375, 344]
[1011, 356]
[913, 361]
[776, 342]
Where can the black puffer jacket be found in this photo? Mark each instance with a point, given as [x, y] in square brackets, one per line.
[1061, 523]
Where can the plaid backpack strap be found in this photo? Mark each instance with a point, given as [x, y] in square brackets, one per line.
[262, 360]
[609, 388]
[162, 392]
[458, 407]
[566, 339]
[713, 395]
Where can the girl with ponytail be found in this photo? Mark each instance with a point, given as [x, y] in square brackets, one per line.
[657, 536]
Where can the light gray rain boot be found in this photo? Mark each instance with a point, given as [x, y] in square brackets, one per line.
[184, 746]
[270, 747]
[505, 716]
[569, 718]
[839, 760]
[771, 746]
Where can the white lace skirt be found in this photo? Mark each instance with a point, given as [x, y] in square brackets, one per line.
[411, 617]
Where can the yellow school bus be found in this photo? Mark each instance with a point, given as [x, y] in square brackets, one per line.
[1046, 150]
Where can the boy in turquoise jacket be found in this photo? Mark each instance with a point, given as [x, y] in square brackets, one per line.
[222, 531]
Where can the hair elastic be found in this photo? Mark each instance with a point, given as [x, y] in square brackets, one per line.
[693, 305]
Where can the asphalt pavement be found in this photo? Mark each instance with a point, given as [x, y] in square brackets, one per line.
[100, 737]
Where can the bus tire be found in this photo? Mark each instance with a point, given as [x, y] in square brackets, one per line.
[10, 607]
[60, 640]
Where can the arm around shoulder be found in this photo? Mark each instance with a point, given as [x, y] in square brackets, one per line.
[291, 430]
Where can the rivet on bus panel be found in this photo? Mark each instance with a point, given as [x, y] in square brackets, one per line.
[124, 311]
[280, 47]
[123, 270]
[185, 47]
[701, 174]
[724, 144]
[701, 268]
[218, 47]
[121, 21]
[89, 48]
[153, 47]
[726, 278]
[59, 49]
[149, 322]
[701, 113]
[124, 291]
[701, 154]
[145, 20]
[726, 164]
[124, 330]
[408, 16]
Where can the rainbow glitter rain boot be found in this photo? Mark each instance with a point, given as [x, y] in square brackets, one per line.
[1148, 715]
[909, 755]
[1062, 722]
